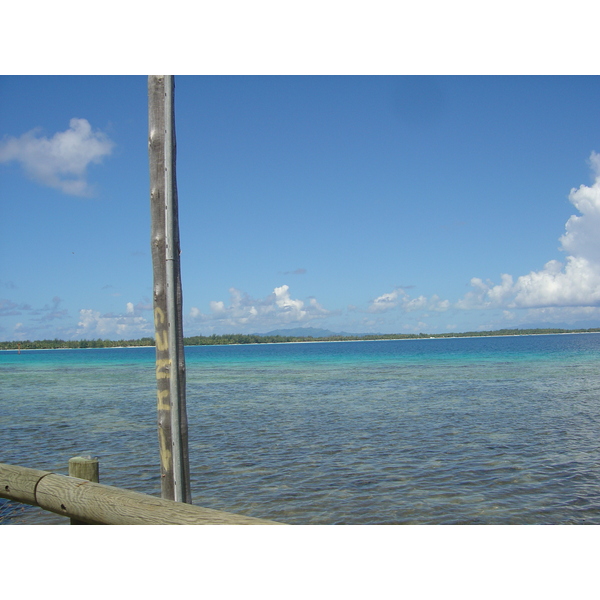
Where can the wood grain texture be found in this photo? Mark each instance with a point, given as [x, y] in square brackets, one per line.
[18, 483]
[99, 504]
[168, 321]
[84, 467]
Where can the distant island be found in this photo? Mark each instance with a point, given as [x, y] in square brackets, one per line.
[274, 337]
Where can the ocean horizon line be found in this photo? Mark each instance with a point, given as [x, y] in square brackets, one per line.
[309, 339]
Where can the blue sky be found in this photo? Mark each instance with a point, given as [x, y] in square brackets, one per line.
[351, 203]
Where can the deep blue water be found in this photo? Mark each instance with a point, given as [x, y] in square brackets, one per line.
[499, 430]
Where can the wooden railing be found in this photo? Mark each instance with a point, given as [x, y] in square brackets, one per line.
[99, 504]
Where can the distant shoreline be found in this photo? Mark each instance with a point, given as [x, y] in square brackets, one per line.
[257, 339]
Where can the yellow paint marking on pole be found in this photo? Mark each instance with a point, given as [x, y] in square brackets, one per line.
[163, 366]
[163, 400]
[159, 316]
[165, 451]
[167, 289]
[162, 341]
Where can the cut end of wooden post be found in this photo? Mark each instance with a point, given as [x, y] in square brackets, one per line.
[85, 467]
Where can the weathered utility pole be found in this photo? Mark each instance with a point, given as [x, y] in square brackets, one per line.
[170, 360]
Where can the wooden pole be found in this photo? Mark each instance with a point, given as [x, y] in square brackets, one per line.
[84, 467]
[99, 504]
[168, 322]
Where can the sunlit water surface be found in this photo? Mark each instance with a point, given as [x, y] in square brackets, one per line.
[499, 430]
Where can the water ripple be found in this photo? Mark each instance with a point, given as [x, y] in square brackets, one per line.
[496, 431]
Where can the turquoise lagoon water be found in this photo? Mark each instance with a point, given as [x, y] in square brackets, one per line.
[498, 430]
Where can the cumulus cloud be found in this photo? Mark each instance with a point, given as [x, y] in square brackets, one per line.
[581, 232]
[387, 301]
[59, 162]
[92, 324]
[574, 283]
[560, 290]
[398, 298]
[278, 308]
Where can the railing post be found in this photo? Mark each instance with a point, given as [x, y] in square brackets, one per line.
[84, 467]
[100, 504]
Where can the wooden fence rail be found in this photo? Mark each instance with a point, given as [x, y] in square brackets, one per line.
[100, 504]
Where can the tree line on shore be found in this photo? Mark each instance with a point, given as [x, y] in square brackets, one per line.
[239, 338]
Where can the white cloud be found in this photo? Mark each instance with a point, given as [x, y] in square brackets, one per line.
[575, 283]
[92, 324]
[278, 308]
[387, 301]
[561, 314]
[60, 162]
[560, 291]
[439, 305]
[486, 294]
[285, 303]
[398, 298]
[581, 237]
